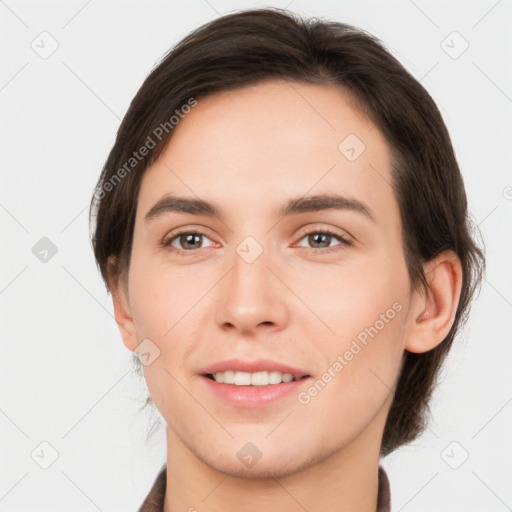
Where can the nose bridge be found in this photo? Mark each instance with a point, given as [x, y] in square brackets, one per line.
[251, 294]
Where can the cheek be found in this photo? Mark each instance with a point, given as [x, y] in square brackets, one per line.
[362, 361]
[348, 299]
[166, 305]
[365, 309]
[161, 297]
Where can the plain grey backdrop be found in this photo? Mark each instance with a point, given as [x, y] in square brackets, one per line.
[71, 434]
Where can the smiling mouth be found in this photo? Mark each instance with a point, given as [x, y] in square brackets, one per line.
[260, 379]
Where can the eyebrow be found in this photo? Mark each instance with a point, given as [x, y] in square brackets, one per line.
[305, 204]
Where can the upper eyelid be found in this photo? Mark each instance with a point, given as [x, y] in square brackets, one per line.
[332, 231]
[185, 231]
[302, 231]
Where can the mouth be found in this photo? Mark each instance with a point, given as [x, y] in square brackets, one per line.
[252, 384]
[261, 372]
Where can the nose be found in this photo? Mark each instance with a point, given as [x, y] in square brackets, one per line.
[252, 297]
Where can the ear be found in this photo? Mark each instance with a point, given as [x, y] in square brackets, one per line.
[434, 307]
[118, 287]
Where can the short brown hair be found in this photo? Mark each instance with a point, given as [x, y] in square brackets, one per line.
[253, 45]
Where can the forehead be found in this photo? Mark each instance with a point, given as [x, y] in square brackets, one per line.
[250, 148]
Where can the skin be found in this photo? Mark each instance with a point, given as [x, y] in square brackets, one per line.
[248, 151]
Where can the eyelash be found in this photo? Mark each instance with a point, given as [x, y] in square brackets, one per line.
[166, 243]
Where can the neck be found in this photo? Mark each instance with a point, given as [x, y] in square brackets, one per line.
[344, 480]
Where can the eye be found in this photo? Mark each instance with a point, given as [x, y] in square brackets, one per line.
[323, 238]
[188, 240]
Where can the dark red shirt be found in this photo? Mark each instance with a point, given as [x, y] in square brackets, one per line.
[154, 501]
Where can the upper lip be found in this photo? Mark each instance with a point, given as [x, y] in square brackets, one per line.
[259, 365]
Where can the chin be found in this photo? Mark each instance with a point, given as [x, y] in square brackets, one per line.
[260, 459]
[274, 466]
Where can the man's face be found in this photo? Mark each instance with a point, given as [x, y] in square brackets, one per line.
[258, 285]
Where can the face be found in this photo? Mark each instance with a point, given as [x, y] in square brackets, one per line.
[319, 291]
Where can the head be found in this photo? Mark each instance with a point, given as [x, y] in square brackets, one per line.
[250, 112]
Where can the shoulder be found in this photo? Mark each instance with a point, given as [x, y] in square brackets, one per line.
[154, 501]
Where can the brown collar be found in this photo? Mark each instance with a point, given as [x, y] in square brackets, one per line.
[154, 501]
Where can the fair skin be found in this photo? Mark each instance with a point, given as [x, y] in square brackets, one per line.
[248, 152]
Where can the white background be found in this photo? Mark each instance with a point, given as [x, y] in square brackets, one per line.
[66, 377]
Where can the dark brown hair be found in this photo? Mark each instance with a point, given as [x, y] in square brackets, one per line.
[250, 46]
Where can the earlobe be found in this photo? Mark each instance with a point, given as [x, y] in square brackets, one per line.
[122, 309]
[435, 307]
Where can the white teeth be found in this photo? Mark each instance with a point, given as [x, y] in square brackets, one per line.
[229, 377]
[260, 379]
[252, 379]
[242, 379]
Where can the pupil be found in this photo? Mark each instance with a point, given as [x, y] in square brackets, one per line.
[190, 239]
[317, 235]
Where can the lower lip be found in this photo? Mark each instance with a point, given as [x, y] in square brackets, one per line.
[253, 396]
